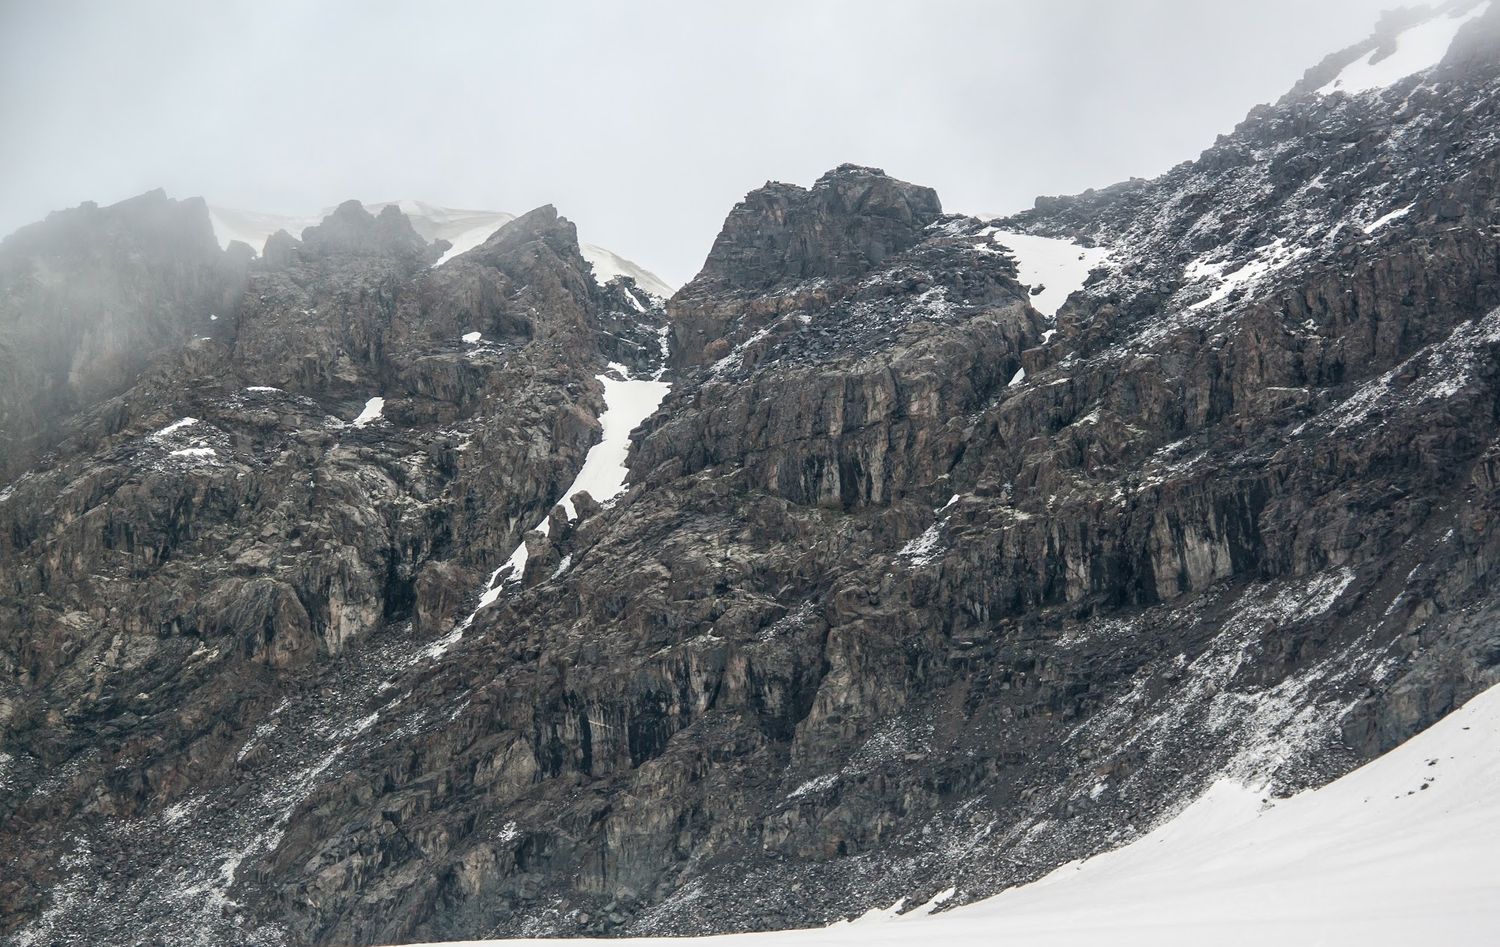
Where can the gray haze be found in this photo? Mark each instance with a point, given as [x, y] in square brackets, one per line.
[643, 122]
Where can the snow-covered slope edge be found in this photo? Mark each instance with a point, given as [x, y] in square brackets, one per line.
[1400, 851]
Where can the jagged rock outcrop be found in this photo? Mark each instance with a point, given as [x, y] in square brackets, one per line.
[914, 585]
[848, 223]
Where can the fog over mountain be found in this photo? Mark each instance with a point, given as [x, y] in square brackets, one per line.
[640, 120]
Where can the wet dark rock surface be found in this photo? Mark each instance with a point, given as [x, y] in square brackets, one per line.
[879, 613]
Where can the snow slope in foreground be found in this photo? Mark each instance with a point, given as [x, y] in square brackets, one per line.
[1403, 851]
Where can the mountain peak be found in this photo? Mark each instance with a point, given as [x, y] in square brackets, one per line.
[353, 229]
[542, 224]
[851, 219]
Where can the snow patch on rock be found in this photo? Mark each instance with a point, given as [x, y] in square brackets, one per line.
[1270, 258]
[374, 409]
[627, 402]
[1059, 267]
[608, 264]
[926, 548]
[174, 427]
[1384, 219]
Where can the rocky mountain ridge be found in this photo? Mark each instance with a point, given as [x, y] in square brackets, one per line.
[461, 229]
[913, 586]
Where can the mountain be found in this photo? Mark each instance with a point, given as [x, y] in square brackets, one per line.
[916, 555]
[463, 229]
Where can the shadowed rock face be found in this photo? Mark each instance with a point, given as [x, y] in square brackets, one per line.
[879, 614]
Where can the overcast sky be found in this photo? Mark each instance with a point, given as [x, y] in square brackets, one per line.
[643, 122]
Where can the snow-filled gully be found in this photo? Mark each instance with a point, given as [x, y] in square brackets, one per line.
[627, 402]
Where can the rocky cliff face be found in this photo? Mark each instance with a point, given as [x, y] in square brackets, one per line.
[361, 441]
[915, 585]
